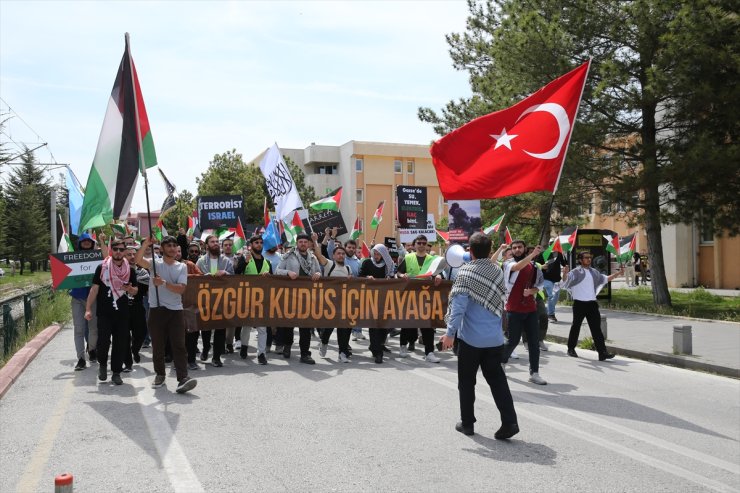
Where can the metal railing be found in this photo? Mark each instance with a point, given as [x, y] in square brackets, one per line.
[17, 314]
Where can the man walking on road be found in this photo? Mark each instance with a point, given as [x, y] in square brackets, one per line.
[474, 317]
[252, 263]
[165, 312]
[584, 283]
[84, 330]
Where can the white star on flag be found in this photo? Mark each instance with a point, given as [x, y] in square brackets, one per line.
[503, 139]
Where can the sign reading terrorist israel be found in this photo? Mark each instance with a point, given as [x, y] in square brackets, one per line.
[215, 211]
[278, 301]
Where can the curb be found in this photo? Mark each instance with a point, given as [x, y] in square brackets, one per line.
[664, 359]
[20, 360]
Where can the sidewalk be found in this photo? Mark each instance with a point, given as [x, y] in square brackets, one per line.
[716, 345]
[621, 284]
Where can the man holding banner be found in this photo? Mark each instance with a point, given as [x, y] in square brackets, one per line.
[255, 264]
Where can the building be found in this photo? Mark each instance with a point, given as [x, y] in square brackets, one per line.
[139, 222]
[369, 173]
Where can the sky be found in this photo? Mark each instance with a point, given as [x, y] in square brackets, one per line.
[226, 75]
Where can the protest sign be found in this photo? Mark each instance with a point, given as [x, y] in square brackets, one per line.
[407, 235]
[412, 207]
[464, 219]
[215, 211]
[74, 269]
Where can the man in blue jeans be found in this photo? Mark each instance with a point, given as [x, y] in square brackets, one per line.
[474, 317]
[551, 273]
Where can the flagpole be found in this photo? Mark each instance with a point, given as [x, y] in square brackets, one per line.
[142, 163]
[567, 145]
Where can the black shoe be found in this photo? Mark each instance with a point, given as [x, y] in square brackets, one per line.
[217, 362]
[116, 379]
[572, 353]
[185, 385]
[394, 333]
[81, 364]
[412, 346]
[262, 359]
[506, 431]
[552, 318]
[93, 355]
[308, 360]
[102, 373]
[127, 369]
[466, 430]
[605, 356]
[386, 349]
[286, 351]
[243, 352]
[137, 357]
[229, 348]
[204, 355]
[379, 358]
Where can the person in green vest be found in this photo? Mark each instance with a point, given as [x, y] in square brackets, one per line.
[255, 265]
[414, 264]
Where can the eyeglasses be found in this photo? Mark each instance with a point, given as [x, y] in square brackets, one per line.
[118, 249]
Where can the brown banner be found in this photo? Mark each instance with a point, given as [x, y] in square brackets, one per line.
[278, 301]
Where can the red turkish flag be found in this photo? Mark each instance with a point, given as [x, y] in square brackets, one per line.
[516, 150]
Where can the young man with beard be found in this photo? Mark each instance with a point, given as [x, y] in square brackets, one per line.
[254, 264]
[137, 319]
[523, 280]
[299, 262]
[112, 281]
[379, 266]
[413, 264]
[191, 338]
[165, 312]
[584, 283]
[353, 262]
[474, 318]
[214, 263]
[334, 268]
[84, 330]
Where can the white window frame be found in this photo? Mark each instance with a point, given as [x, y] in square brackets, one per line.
[361, 162]
[400, 166]
[413, 167]
[359, 195]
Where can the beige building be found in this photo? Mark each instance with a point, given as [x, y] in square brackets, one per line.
[369, 173]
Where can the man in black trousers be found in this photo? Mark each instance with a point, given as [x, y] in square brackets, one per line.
[474, 317]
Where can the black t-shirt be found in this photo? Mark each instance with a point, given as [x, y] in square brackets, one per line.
[105, 300]
[369, 269]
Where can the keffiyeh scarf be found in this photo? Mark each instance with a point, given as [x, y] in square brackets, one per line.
[114, 277]
[387, 260]
[483, 281]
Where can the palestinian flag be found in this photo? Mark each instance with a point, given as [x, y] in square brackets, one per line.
[507, 236]
[555, 247]
[627, 247]
[65, 244]
[445, 235]
[356, 230]
[365, 252]
[170, 201]
[493, 228]
[434, 268]
[612, 244]
[125, 148]
[328, 203]
[568, 239]
[120, 228]
[159, 230]
[223, 232]
[192, 224]
[240, 239]
[294, 228]
[378, 216]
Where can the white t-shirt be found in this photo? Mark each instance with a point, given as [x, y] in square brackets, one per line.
[584, 290]
[337, 271]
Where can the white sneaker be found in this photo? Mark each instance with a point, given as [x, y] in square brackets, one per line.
[536, 378]
[237, 345]
[432, 358]
[542, 346]
[322, 349]
[403, 353]
[360, 337]
[343, 358]
[514, 355]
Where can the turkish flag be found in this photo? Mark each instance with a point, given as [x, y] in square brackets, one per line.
[516, 150]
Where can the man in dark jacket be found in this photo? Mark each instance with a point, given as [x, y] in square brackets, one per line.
[84, 330]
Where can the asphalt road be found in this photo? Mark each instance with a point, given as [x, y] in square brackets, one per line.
[623, 425]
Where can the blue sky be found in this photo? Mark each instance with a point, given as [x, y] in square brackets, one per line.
[223, 75]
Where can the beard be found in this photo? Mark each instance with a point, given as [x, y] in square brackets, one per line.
[216, 251]
[258, 252]
[519, 257]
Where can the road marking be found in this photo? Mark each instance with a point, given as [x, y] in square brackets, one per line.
[35, 468]
[175, 462]
[609, 445]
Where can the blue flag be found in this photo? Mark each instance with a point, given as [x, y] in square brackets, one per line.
[271, 237]
[75, 202]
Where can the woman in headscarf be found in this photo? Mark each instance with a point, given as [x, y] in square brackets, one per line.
[379, 266]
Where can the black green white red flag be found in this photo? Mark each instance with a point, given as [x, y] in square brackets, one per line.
[125, 148]
[356, 230]
[330, 202]
[378, 216]
[494, 227]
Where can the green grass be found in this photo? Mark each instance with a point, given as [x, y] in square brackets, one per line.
[52, 308]
[10, 283]
[699, 303]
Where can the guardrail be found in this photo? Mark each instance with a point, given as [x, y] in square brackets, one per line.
[17, 314]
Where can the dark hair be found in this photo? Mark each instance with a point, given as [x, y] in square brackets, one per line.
[350, 242]
[302, 236]
[480, 245]
[117, 241]
[582, 253]
[168, 239]
[420, 238]
[208, 238]
[228, 239]
[255, 238]
[524, 243]
[340, 248]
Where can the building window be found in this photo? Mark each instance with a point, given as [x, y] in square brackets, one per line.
[359, 165]
[410, 167]
[359, 195]
[397, 166]
[606, 206]
[706, 235]
[329, 169]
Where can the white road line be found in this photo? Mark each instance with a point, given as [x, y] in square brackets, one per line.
[175, 462]
[609, 445]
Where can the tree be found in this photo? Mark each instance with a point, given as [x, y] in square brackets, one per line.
[177, 217]
[229, 174]
[657, 99]
[27, 194]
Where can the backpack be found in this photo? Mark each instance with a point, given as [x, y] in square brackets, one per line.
[333, 265]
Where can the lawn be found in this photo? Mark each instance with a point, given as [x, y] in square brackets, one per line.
[699, 303]
[9, 284]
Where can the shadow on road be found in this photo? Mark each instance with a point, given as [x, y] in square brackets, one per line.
[513, 451]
